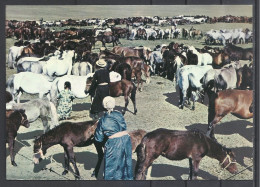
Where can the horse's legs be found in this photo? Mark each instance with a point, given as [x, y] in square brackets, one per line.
[100, 152]
[181, 98]
[66, 162]
[18, 96]
[11, 150]
[54, 115]
[191, 168]
[126, 103]
[133, 99]
[72, 159]
[45, 123]
[211, 126]
[196, 168]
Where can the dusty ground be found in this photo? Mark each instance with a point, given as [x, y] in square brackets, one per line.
[157, 108]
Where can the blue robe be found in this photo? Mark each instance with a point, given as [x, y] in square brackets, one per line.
[118, 151]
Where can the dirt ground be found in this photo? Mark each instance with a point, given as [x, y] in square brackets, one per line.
[157, 108]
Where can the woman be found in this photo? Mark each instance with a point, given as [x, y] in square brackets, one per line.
[118, 148]
[65, 99]
[99, 87]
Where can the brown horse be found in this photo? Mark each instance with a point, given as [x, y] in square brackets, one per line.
[236, 102]
[120, 88]
[78, 134]
[178, 145]
[14, 119]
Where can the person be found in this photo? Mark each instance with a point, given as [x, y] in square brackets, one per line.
[99, 88]
[65, 98]
[118, 147]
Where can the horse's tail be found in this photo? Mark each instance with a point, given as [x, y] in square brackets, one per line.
[54, 91]
[54, 115]
[10, 84]
[141, 156]
[10, 60]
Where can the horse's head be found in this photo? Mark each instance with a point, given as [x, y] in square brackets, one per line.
[38, 151]
[229, 162]
[88, 83]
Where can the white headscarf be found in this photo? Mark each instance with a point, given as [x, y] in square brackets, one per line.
[109, 103]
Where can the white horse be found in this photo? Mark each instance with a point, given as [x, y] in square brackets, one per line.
[28, 82]
[13, 54]
[58, 67]
[188, 79]
[203, 58]
[78, 84]
[38, 108]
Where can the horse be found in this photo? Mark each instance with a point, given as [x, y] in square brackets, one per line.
[245, 78]
[79, 134]
[119, 88]
[238, 53]
[123, 69]
[77, 86]
[38, 108]
[59, 67]
[8, 97]
[178, 145]
[108, 39]
[81, 68]
[188, 79]
[237, 102]
[68, 135]
[18, 83]
[203, 58]
[13, 54]
[14, 119]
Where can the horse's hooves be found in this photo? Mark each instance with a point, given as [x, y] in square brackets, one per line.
[181, 107]
[64, 172]
[14, 164]
[193, 108]
[135, 112]
[77, 178]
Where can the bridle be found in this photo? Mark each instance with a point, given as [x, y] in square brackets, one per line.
[229, 160]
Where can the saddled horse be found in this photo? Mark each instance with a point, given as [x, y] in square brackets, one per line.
[38, 84]
[179, 145]
[237, 102]
[38, 108]
[120, 88]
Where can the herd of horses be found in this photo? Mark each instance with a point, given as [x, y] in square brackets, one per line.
[46, 66]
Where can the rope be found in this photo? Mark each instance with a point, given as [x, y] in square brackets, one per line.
[239, 172]
[50, 169]
[52, 161]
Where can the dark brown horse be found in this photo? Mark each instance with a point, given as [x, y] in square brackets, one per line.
[178, 145]
[236, 102]
[120, 88]
[8, 97]
[70, 135]
[14, 119]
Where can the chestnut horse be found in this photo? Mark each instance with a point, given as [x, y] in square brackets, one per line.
[120, 88]
[178, 145]
[236, 102]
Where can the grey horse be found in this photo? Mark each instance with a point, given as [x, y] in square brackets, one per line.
[38, 108]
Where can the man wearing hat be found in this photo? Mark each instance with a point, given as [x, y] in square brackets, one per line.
[99, 87]
[118, 147]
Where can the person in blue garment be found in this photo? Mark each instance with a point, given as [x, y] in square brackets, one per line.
[118, 148]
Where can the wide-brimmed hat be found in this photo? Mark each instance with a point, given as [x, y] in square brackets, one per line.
[101, 63]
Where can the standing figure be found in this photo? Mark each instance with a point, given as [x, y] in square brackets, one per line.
[65, 99]
[118, 147]
[99, 88]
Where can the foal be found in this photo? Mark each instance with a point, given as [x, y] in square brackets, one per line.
[14, 119]
[178, 145]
